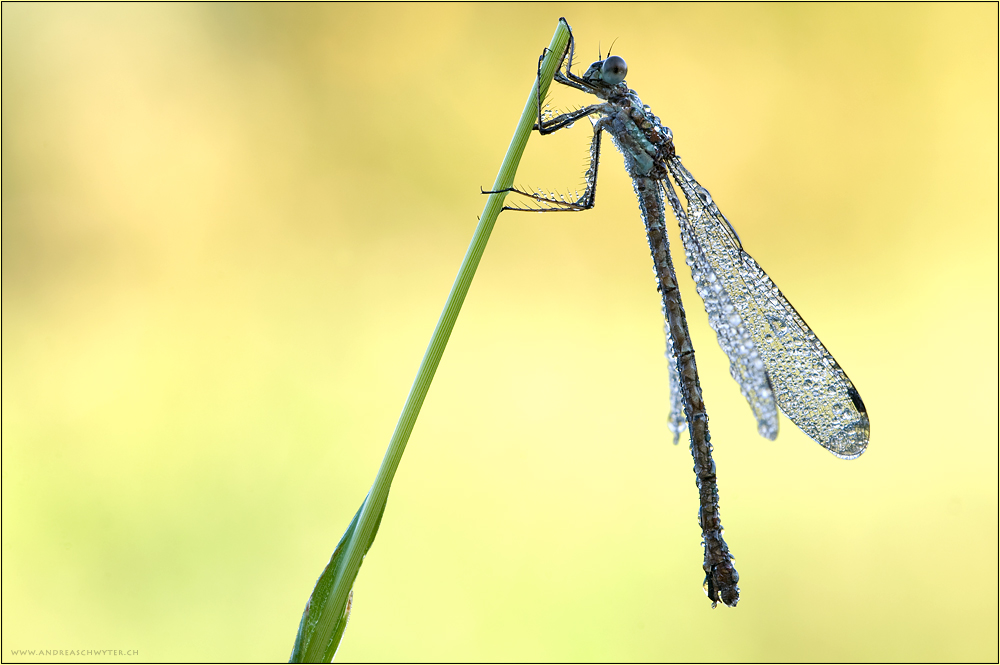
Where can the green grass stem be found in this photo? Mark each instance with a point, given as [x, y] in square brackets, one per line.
[328, 609]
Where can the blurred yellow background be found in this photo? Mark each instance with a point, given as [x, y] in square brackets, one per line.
[228, 231]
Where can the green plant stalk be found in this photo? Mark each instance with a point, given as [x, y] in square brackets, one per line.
[328, 609]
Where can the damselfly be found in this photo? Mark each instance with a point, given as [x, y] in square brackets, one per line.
[774, 356]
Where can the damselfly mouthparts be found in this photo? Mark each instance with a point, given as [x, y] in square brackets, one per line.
[774, 356]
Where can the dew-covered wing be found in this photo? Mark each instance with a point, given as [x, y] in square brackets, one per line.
[809, 385]
[676, 421]
[745, 364]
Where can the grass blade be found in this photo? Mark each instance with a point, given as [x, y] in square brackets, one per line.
[328, 609]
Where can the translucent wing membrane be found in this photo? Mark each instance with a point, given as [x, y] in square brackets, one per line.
[745, 364]
[809, 385]
[676, 421]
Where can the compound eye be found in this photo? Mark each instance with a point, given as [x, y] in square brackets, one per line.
[613, 70]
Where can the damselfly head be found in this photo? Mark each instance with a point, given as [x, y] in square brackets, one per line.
[613, 70]
[606, 73]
